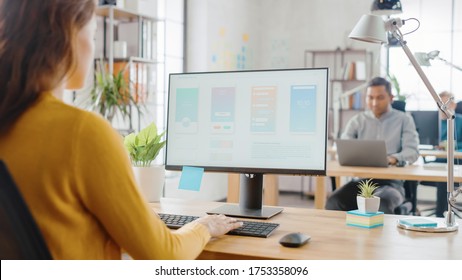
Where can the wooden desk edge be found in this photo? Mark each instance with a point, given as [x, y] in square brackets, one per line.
[329, 232]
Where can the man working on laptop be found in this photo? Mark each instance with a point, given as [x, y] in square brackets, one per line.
[398, 130]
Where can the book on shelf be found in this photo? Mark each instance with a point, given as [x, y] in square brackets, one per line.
[360, 70]
[364, 220]
[349, 72]
[354, 70]
[357, 101]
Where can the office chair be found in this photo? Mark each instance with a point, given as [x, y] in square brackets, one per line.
[20, 237]
[458, 109]
[409, 206]
[436, 210]
[399, 105]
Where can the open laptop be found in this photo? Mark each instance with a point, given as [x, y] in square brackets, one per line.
[355, 152]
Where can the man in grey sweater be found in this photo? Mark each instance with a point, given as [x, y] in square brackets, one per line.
[398, 130]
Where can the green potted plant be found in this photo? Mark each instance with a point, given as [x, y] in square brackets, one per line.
[143, 148]
[366, 200]
[399, 101]
[395, 84]
[111, 93]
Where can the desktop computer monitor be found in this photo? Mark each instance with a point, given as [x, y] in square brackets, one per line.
[248, 122]
[427, 125]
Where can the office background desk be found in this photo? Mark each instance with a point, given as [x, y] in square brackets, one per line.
[331, 238]
[417, 172]
[332, 152]
[438, 154]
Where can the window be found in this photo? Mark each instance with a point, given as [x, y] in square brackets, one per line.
[440, 29]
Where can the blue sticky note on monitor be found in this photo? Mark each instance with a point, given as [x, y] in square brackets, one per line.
[191, 178]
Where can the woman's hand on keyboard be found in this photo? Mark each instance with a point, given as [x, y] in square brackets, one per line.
[219, 224]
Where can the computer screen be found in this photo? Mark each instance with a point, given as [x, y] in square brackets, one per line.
[427, 125]
[249, 122]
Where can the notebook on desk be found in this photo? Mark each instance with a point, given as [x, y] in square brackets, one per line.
[355, 152]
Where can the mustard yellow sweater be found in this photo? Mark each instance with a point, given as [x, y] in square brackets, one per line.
[76, 178]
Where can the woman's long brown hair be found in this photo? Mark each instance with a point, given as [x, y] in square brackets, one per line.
[36, 49]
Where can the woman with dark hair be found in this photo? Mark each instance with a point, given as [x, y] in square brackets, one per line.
[69, 164]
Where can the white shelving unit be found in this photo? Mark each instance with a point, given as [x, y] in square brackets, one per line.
[146, 63]
[348, 69]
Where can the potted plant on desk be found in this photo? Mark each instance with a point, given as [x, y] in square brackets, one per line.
[366, 200]
[143, 149]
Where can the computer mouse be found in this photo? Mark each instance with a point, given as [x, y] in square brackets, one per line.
[295, 239]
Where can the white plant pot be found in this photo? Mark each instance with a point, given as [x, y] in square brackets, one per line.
[368, 205]
[150, 181]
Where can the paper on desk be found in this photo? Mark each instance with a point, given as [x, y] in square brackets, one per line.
[191, 178]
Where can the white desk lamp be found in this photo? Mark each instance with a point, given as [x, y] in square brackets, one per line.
[373, 29]
[424, 59]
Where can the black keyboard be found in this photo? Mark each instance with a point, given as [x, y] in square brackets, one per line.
[249, 228]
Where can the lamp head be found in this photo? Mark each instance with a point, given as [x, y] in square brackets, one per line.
[370, 29]
[386, 7]
[433, 54]
[373, 29]
[424, 58]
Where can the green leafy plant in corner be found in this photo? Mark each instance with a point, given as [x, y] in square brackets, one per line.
[367, 188]
[395, 84]
[144, 147]
[111, 93]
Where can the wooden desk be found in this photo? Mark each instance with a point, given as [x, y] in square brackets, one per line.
[334, 169]
[331, 238]
[438, 154]
[332, 152]
[415, 172]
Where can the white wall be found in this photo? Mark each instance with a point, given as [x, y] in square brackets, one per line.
[267, 33]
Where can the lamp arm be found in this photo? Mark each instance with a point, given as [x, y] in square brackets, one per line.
[351, 91]
[449, 63]
[450, 217]
[397, 34]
